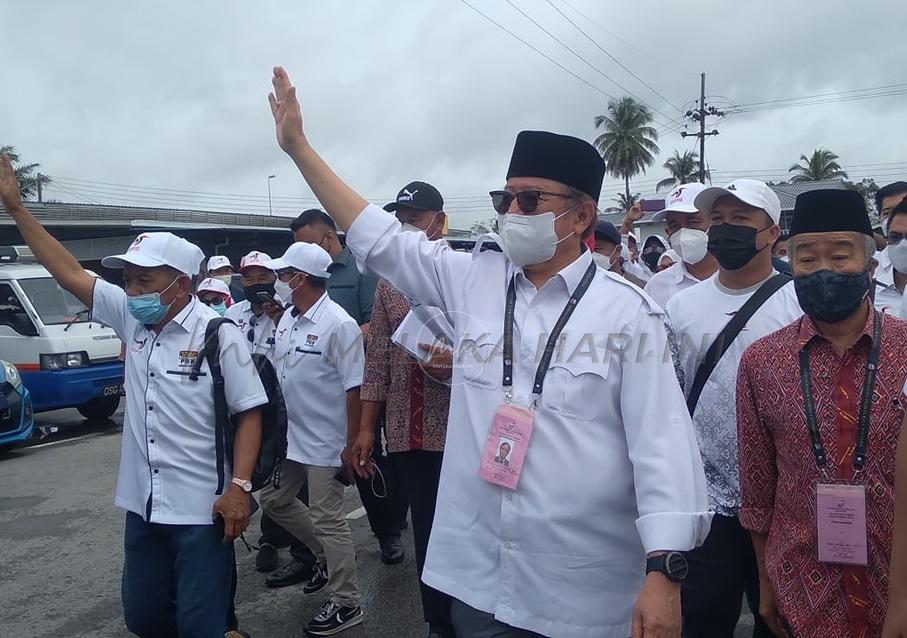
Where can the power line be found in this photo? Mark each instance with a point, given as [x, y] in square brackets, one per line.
[820, 95]
[581, 58]
[606, 52]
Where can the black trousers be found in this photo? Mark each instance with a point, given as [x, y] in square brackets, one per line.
[385, 503]
[722, 571]
[418, 473]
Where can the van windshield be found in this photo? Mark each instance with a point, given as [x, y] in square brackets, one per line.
[53, 304]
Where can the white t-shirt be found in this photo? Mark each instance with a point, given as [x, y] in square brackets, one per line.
[698, 315]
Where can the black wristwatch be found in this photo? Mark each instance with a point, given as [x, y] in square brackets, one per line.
[673, 565]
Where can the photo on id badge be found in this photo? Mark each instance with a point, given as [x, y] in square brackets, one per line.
[506, 446]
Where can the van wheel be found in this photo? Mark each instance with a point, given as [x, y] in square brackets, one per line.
[100, 408]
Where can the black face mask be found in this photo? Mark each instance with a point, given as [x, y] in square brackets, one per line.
[733, 245]
[829, 296]
[651, 259]
[253, 290]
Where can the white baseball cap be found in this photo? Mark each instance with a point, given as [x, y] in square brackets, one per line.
[152, 250]
[214, 285]
[254, 258]
[308, 258]
[748, 191]
[680, 200]
[218, 261]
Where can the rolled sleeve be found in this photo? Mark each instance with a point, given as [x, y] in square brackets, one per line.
[756, 454]
[667, 466]
[347, 354]
[242, 385]
[108, 306]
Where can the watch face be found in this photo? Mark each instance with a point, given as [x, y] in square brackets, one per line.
[676, 566]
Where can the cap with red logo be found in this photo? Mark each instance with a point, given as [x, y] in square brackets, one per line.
[152, 250]
[256, 258]
[680, 200]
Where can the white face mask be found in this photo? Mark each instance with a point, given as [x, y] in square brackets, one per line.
[601, 261]
[897, 253]
[692, 245]
[411, 228]
[530, 239]
[227, 279]
[284, 290]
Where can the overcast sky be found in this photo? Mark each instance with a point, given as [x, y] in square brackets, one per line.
[172, 95]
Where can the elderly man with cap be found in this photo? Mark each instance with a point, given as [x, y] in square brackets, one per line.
[319, 360]
[686, 227]
[601, 428]
[819, 408]
[714, 322]
[177, 573]
[219, 267]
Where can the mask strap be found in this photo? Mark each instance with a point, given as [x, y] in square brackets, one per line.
[572, 233]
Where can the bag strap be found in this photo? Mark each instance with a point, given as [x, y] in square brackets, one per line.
[726, 337]
[211, 352]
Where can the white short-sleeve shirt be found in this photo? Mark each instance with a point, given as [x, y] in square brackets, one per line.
[168, 470]
[667, 283]
[319, 357]
[258, 331]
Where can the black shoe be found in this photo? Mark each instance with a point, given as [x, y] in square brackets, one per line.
[318, 580]
[333, 618]
[266, 560]
[290, 574]
[391, 549]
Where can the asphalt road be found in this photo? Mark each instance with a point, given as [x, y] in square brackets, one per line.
[62, 550]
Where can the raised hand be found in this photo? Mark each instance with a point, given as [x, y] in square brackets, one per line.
[287, 114]
[9, 187]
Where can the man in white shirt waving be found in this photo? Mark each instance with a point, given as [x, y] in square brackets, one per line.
[603, 468]
[686, 228]
[320, 361]
[743, 227]
[177, 573]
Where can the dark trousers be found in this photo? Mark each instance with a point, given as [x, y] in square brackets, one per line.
[418, 474]
[722, 570]
[176, 579]
[384, 503]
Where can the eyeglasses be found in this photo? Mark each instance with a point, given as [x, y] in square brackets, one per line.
[527, 200]
[895, 238]
[210, 301]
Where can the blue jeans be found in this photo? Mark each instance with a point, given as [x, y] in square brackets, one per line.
[176, 579]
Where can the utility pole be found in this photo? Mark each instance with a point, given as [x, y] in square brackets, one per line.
[40, 191]
[699, 115]
[270, 212]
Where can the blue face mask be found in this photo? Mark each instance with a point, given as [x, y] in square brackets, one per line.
[147, 308]
[219, 308]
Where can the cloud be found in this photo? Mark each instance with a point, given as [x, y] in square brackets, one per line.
[173, 94]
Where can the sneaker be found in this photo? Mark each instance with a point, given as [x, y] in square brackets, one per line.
[266, 560]
[293, 572]
[317, 582]
[333, 618]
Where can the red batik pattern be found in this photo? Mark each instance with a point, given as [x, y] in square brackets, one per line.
[778, 472]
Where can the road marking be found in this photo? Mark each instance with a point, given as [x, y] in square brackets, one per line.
[356, 513]
[75, 438]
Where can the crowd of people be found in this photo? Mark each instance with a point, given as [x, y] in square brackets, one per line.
[593, 434]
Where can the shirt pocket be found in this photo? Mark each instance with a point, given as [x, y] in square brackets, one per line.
[480, 360]
[576, 389]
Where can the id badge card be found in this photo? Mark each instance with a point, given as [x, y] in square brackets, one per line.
[506, 445]
[841, 523]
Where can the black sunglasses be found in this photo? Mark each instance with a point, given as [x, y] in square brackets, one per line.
[895, 238]
[527, 200]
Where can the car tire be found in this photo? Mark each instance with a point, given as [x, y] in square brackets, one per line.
[100, 407]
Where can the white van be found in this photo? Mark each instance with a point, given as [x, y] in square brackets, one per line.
[65, 359]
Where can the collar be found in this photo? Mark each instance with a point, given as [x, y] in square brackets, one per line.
[570, 274]
[808, 330]
[343, 259]
[187, 317]
[315, 311]
[679, 272]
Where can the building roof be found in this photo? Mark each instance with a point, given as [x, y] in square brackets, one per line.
[788, 192]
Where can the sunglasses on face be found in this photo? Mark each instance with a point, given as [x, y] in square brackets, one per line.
[528, 200]
[895, 238]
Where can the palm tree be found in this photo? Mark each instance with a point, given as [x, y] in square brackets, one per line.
[28, 183]
[822, 164]
[683, 169]
[628, 143]
[625, 203]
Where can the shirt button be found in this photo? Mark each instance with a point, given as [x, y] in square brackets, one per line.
[150, 408]
[156, 471]
[151, 441]
[152, 374]
[157, 345]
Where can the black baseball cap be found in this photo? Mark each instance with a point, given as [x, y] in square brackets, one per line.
[607, 231]
[418, 195]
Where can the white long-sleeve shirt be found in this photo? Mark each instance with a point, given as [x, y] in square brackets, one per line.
[613, 470]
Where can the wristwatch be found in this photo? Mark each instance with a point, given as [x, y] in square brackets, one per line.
[673, 565]
[244, 484]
